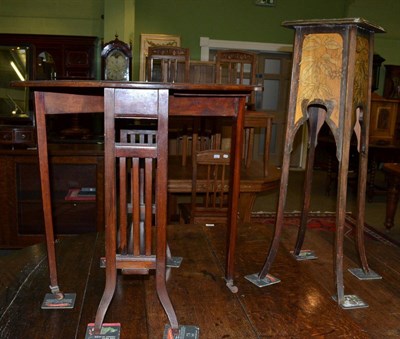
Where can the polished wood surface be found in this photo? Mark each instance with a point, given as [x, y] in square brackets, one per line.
[299, 307]
[175, 88]
[252, 182]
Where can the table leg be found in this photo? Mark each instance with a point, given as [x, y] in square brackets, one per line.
[316, 119]
[362, 190]
[279, 214]
[246, 203]
[340, 219]
[236, 147]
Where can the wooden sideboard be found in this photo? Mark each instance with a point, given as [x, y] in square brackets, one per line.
[71, 166]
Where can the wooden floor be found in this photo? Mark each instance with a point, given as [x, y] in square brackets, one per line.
[299, 307]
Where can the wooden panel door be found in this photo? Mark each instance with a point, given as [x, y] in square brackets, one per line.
[274, 74]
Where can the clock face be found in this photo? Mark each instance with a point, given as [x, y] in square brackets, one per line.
[117, 66]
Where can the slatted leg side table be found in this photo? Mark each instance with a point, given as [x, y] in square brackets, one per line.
[135, 239]
[331, 83]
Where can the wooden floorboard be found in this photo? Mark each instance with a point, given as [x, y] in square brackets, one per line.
[299, 307]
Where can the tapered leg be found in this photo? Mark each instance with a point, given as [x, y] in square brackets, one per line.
[361, 129]
[110, 204]
[163, 296]
[279, 214]
[161, 219]
[314, 121]
[111, 272]
[108, 294]
[361, 194]
[45, 188]
[340, 219]
[161, 275]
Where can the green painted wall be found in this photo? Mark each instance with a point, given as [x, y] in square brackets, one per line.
[226, 20]
[63, 17]
[386, 14]
[191, 19]
[119, 18]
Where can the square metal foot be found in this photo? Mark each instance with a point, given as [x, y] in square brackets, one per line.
[108, 331]
[351, 301]
[51, 302]
[185, 332]
[174, 262]
[305, 255]
[266, 281]
[361, 275]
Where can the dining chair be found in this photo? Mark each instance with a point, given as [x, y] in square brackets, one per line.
[210, 189]
[168, 64]
[240, 67]
[172, 64]
[135, 192]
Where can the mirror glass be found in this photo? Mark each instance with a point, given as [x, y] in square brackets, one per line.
[14, 102]
[45, 67]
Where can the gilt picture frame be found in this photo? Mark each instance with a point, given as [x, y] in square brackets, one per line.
[148, 40]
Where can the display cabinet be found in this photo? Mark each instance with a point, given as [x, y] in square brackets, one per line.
[72, 168]
[76, 155]
[27, 57]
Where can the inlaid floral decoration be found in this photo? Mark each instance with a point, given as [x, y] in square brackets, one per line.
[361, 83]
[320, 72]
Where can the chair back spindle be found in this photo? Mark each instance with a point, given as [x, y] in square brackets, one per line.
[240, 67]
[210, 188]
[168, 64]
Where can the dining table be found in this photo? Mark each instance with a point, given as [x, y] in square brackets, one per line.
[181, 99]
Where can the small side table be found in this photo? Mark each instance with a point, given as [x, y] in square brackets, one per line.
[331, 82]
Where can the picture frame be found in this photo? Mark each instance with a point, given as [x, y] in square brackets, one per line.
[148, 40]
